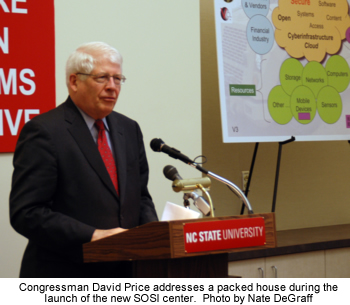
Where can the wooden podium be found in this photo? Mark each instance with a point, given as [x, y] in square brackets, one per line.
[157, 249]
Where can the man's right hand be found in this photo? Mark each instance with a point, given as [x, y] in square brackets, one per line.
[98, 234]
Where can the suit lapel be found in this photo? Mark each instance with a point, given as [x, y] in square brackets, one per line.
[81, 134]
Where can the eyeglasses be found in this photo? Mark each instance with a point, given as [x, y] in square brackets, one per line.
[104, 78]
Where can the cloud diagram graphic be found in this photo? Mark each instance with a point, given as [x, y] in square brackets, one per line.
[310, 29]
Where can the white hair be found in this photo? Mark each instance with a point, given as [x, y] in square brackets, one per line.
[85, 57]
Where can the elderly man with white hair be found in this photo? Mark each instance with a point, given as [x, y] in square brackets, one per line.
[80, 172]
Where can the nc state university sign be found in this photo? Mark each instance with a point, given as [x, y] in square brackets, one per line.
[224, 234]
[27, 65]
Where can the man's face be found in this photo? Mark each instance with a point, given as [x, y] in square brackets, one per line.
[96, 99]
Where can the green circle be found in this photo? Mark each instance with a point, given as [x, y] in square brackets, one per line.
[303, 104]
[315, 77]
[290, 74]
[338, 73]
[329, 105]
[279, 105]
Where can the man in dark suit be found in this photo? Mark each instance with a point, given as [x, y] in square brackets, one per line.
[62, 193]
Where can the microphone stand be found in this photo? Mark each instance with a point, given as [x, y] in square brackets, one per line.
[235, 189]
[158, 145]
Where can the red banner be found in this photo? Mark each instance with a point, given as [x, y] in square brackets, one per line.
[27, 65]
[224, 234]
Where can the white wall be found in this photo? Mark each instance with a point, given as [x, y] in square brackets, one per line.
[159, 40]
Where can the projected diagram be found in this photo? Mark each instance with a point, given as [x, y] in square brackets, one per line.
[283, 69]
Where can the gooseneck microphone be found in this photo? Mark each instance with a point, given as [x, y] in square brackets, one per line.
[159, 146]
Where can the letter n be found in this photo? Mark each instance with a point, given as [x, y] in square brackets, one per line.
[4, 43]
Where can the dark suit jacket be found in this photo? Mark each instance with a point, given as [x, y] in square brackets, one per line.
[61, 190]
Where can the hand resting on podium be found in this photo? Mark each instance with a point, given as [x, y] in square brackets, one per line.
[98, 234]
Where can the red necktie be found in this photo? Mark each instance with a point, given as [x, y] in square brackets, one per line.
[106, 153]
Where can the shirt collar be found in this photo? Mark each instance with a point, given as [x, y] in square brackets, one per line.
[90, 121]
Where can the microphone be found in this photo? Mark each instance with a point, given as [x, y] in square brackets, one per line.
[171, 173]
[179, 184]
[159, 146]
